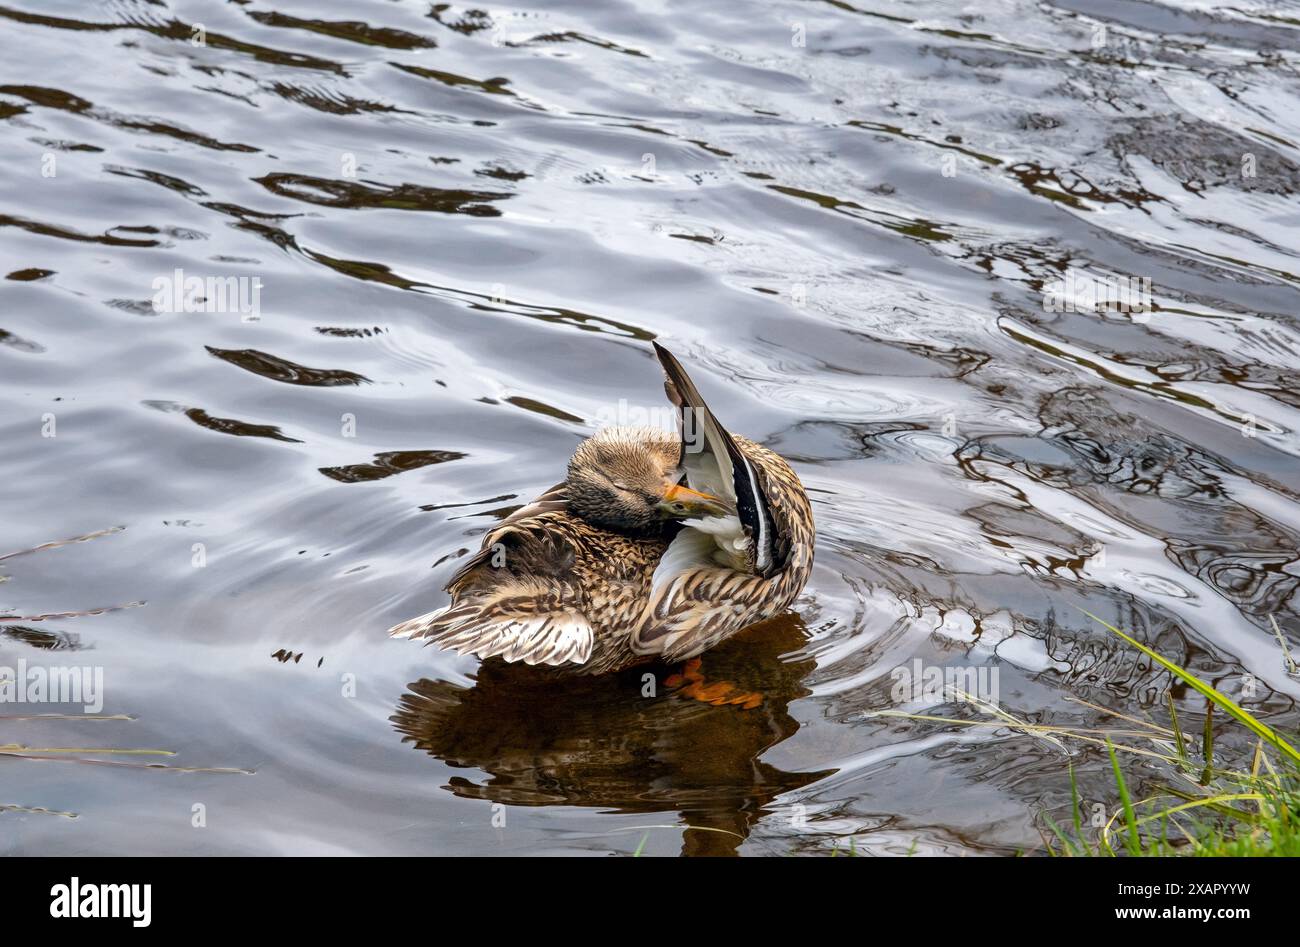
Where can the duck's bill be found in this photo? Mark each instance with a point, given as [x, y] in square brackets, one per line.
[681, 502]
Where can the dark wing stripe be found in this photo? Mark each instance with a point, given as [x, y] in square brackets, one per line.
[760, 524]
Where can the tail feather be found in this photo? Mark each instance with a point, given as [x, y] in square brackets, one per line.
[432, 624]
[559, 636]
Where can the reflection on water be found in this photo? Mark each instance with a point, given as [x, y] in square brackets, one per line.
[854, 222]
[602, 743]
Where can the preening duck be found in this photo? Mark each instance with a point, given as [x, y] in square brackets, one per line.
[656, 546]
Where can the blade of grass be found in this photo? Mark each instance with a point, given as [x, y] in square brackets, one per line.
[1207, 743]
[36, 810]
[1111, 712]
[90, 751]
[1076, 733]
[1224, 703]
[1178, 731]
[1134, 843]
[1075, 813]
[1196, 846]
[1286, 652]
[996, 711]
[1209, 801]
[1067, 846]
[679, 827]
[1256, 763]
[120, 763]
[64, 716]
[1214, 802]
[85, 613]
[64, 542]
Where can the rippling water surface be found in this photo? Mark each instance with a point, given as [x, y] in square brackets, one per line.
[465, 225]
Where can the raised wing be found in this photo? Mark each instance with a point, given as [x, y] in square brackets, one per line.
[715, 464]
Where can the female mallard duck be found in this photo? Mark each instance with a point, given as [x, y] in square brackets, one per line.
[656, 546]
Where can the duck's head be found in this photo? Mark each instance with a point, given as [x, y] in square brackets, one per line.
[628, 478]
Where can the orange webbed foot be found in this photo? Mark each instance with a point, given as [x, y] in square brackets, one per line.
[719, 693]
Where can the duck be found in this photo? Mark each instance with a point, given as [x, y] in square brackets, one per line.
[656, 546]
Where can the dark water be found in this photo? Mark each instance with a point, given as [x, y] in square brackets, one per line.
[466, 226]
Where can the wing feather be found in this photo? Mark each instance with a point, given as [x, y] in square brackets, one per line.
[715, 463]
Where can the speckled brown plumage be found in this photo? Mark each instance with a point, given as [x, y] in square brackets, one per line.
[703, 606]
[550, 587]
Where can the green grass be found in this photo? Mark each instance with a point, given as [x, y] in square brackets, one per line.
[1261, 820]
[1219, 811]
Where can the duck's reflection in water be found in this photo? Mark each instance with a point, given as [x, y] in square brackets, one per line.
[693, 748]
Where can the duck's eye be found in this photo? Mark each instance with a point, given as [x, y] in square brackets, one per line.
[620, 485]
